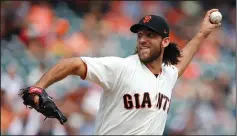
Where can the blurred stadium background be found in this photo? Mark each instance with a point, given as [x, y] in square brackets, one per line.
[36, 34]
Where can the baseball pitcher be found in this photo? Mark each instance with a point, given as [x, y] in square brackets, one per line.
[137, 89]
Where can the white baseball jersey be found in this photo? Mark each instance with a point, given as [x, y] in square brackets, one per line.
[134, 101]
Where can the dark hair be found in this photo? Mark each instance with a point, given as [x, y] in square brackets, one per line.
[171, 54]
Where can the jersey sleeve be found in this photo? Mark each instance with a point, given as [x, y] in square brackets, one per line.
[175, 72]
[103, 71]
[172, 74]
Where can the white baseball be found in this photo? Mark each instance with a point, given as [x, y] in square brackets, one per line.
[215, 17]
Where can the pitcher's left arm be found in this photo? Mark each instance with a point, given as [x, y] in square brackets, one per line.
[192, 47]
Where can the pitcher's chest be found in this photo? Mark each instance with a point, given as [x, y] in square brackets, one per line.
[147, 92]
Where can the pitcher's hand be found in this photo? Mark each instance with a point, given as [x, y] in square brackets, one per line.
[38, 99]
[206, 26]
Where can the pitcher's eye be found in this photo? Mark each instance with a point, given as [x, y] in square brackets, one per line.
[139, 35]
[151, 35]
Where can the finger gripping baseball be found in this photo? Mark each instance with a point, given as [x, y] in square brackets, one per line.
[46, 105]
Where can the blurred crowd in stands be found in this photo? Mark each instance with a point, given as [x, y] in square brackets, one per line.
[36, 34]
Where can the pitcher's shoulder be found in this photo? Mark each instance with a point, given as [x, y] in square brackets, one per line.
[132, 58]
[130, 62]
[170, 71]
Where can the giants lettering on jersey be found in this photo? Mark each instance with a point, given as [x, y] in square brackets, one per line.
[135, 101]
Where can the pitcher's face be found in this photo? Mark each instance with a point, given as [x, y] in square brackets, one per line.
[149, 45]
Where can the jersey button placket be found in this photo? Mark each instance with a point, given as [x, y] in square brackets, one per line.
[157, 87]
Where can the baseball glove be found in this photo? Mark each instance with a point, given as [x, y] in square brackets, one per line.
[45, 105]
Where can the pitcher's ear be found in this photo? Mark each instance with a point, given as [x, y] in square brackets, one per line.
[165, 42]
